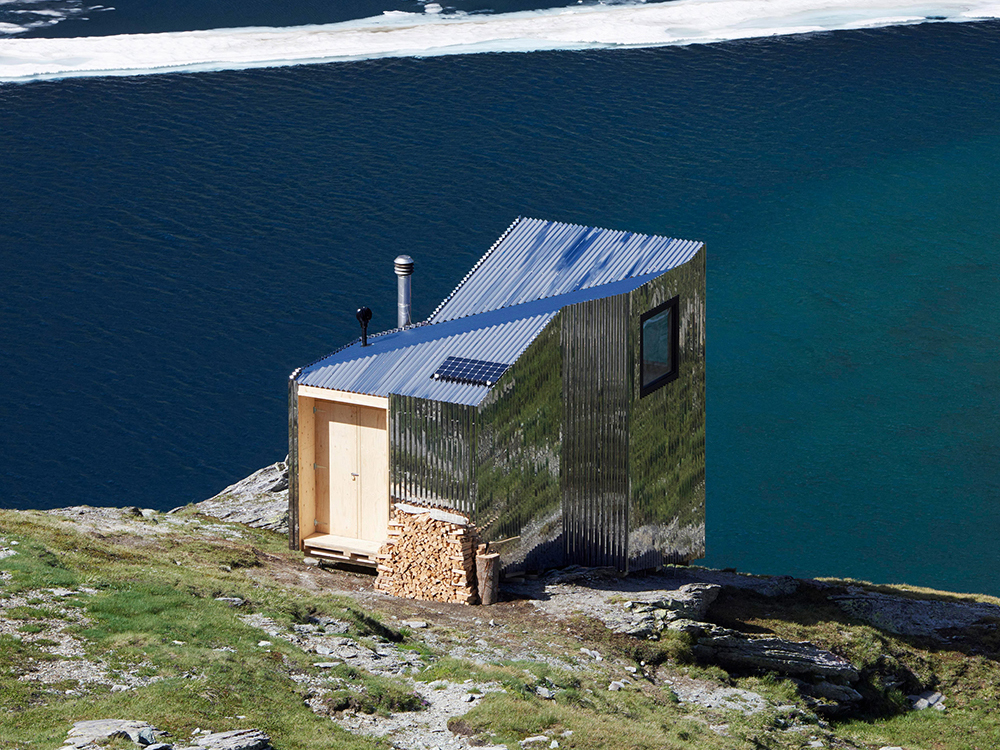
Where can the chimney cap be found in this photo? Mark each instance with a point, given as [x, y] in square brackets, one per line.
[404, 265]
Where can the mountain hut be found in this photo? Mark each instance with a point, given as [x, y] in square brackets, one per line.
[556, 397]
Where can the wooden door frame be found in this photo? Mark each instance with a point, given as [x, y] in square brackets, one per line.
[307, 399]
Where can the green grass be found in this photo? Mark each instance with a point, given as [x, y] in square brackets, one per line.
[631, 720]
[672, 646]
[16, 657]
[32, 613]
[151, 593]
[369, 693]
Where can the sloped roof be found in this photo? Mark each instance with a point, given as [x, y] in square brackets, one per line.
[534, 270]
[536, 259]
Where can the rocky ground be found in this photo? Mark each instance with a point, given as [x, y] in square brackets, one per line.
[723, 659]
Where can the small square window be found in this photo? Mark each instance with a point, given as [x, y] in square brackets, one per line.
[658, 345]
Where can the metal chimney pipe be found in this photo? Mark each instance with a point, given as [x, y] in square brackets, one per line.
[404, 269]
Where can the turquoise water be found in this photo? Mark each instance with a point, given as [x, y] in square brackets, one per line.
[173, 246]
[864, 432]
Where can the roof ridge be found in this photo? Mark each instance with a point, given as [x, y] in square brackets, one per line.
[352, 342]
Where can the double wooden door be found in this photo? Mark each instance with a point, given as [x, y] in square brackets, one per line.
[352, 471]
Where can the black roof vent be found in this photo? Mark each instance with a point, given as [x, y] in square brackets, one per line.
[364, 315]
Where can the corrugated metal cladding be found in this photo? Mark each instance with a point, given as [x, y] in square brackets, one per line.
[431, 446]
[597, 393]
[667, 428]
[518, 458]
[537, 259]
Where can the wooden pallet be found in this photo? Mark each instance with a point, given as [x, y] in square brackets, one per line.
[342, 549]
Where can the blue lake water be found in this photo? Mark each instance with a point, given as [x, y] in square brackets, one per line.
[172, 246]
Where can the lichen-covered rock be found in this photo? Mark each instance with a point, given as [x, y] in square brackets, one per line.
[776, 655]
[905, 616]
[237, 739]
[87, 734]
[260, 500]
[839, 693]
[647, 617]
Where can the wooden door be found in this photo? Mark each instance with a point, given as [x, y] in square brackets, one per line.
[352, 471]
[373, 467]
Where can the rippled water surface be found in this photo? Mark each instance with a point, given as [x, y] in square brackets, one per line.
[173, 246]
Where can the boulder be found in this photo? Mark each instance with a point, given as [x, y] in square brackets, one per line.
[260, 500]
[839, 693]
[98, 731]
[236, 739]
[905, 616]
[776, 655]
[647, 617]
[928, 699]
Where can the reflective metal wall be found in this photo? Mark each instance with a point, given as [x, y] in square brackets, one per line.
[518, 446]
[563, 461]
[596, 390]
[667, 432]
[431, 448]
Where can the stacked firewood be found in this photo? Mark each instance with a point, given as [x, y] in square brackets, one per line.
[430, 554]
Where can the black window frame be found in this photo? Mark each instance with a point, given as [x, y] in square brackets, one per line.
[675, 329]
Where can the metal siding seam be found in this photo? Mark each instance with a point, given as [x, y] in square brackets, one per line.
[591, 497]
[580, 527]
[451, 439]
[566, 460]
[430, 460]
[578, 515]
[468, 448]
[604, 464]
[425, 451]
[411, 450]
[467, 452]
[612, 429]
[398, 438]
[417, 456]
[434, 429]
[620, 442]
[437, 476]
[402, 447]
[447, 440]
[587, 478]
[454, 452]
[293, 461]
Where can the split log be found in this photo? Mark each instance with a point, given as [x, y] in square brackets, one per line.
[488, 575]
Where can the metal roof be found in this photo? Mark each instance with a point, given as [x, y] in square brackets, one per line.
[403, 361]
[536, 259]
[534, 270]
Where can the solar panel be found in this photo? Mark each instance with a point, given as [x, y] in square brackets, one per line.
[472, 371]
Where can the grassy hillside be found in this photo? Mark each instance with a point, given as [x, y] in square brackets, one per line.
[189, 623]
